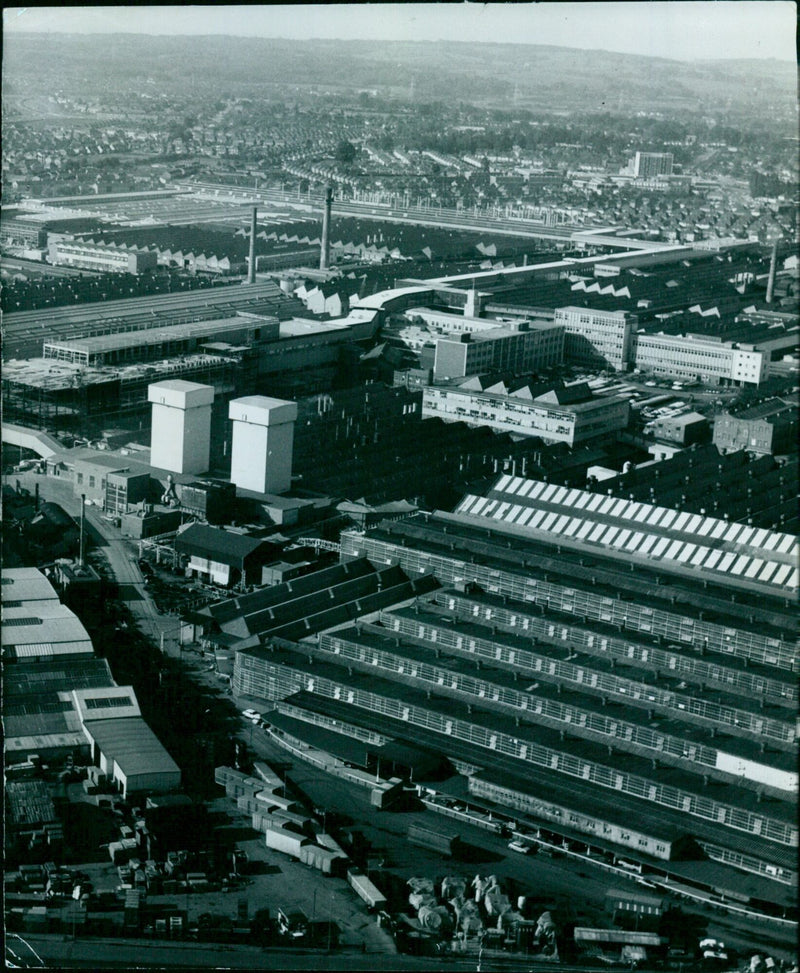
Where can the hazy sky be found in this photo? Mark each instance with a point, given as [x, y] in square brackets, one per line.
[662, 28]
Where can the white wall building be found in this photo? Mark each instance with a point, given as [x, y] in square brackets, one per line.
[449, 323]
[181, 425]
[648, 165]
[609, 339]
[701, 359]
[263, 441]
[97, 256]
[598, 338]
[569, 415]
[529, 346]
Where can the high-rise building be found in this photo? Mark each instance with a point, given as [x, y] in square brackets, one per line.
[181, 437]
[263, 440]
[648, 165]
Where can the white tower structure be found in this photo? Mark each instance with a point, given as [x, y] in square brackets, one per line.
[263, 439]
[181, 438]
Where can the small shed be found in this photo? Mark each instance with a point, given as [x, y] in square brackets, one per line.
[224, 557]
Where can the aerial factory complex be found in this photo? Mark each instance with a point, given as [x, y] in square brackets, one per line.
[400, 513]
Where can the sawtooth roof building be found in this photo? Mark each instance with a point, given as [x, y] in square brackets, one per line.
[620, 673]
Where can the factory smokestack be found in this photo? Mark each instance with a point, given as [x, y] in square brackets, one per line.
[324, 251]
[771, 281]
[251, 267]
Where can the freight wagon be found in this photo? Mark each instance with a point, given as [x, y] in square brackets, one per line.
[439, 840]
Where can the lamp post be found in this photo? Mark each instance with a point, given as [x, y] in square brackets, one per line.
[169, 631]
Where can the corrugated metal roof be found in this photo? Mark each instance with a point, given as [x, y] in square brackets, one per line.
[32, 649]
[667, 541]
[44, 741]
[53, 623]
[26, 584]
[132, 745]
[26, 679]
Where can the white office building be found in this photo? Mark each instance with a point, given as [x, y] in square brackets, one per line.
[568, 415]
[700, 358]
[529, 346]
[599, 339]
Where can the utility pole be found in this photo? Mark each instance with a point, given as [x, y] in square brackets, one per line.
[83, 515]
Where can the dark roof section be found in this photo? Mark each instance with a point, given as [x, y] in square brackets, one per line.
[770, 410]
[346, 748]
[222, 545]
[37, 678]
[761, 492]
[612, 805]
[313, 602]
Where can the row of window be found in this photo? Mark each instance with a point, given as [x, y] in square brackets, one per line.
[683, 629]
[567, 764]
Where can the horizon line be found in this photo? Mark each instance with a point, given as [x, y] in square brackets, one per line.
[394, 40]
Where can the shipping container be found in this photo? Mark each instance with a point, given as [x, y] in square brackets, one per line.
[326, 841]
[288, 842]
[444, 842]
[274, 798]
[366, 890]
[267, 775]
[323, 859]
[279, 819]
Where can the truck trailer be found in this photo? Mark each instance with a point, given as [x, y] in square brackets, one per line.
[366, 890]
[440, 840]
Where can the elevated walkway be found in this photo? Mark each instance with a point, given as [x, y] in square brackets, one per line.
[41, 444]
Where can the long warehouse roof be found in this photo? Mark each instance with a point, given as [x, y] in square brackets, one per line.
[706, 546]
[98, 344]
[132, 745]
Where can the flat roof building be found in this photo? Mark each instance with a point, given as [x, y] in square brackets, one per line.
[568, 415]
[25, 330]
[598, 338]
[529, 347]
[102, 257]
[649, 165]
[767, 428]
[700, 358]
[164, 342]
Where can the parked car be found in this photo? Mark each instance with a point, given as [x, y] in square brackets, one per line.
[519, 846]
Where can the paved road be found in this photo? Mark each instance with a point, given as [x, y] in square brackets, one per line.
[62, 952]
[119, 553]
[387, 831]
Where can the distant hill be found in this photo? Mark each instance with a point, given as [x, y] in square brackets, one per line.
[534, 76]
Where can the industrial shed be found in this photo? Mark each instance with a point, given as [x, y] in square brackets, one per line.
[223, 557]
[128, 751]
[37, 631]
